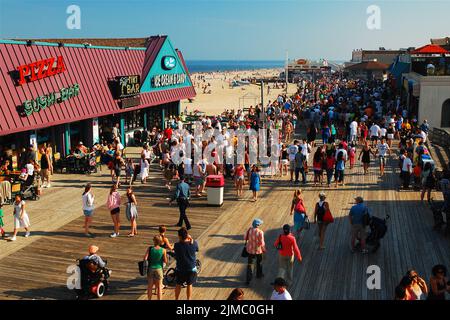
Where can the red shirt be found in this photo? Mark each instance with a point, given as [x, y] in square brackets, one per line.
[168, 133]
[289, 246]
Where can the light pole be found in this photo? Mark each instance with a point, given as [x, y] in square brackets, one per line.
[262, 117]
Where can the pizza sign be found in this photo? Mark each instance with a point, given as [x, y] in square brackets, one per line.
[40, 69]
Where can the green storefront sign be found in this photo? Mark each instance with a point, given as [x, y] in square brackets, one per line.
[45, 101]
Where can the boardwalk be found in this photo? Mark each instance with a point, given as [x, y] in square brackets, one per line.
[36, 270]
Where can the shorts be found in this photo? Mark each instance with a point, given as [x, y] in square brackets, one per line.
[239, 177]
[45, 173]
[359, 231]
[374, 138]
[199, 181]
[284, 162]
[88, 213]
[292, 165]
[115, 210]
[382, 160]
[155, 274]
[117, 172]
[187, 278]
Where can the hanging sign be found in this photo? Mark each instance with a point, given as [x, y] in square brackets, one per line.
[130, 102]
[40, 69]
[127, 86]
[45, 101]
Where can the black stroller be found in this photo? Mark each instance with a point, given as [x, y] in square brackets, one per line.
[94, 280]
[378, 229]
[28, 188]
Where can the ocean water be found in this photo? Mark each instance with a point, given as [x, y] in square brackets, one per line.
[231, 65]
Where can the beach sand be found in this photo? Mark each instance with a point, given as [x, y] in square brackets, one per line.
[223, 97]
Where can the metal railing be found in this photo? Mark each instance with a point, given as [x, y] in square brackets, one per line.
[440, 137]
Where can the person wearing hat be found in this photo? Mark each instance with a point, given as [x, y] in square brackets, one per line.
[94, 256]
[319, 211]
[358, 226]
[288, 249]
[255, 246]
[279, 290]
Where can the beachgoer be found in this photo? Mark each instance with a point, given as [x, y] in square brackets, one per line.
[113, 204]
[88, 208]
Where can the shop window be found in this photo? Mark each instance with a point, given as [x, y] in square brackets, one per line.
[445, 115]
[133, 120]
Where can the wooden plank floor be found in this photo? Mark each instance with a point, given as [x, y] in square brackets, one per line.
[334, 273]
[37, 271]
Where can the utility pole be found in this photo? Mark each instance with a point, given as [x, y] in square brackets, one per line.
[286, 70]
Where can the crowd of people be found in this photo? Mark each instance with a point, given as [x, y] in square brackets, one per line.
[346, 117]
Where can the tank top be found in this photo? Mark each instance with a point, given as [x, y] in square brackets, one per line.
[156, 258]
[284, 155]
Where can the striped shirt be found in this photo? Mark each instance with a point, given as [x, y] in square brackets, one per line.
[255, 244]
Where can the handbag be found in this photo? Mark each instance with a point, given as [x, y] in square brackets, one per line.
[143, 267]
[328, 217]
[245, 253]
[280, 245]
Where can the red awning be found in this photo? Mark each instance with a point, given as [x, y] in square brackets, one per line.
[430, 49]
[89, 67]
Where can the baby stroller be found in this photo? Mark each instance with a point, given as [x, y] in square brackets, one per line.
[378, 229]
[28, 189]
[94, 279]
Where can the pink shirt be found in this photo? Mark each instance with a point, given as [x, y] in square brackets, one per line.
[113, 200]
[255, 244]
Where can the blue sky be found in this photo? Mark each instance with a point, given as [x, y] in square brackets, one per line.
[237, 29]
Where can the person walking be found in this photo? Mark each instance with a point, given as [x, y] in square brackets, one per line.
[428, 181]
[299, 212]
[88, 208]
[330, 164]
[292, 152]
[255, 246]
[113, 204]
[382, 150]
[319, 212]
[145, 164]
[341, 158]
[255, 182]
[287, 249]
[358, 225]
[46, 167]
[157, 257]
[186, 267]
[118, 163]
[407, 167]
[300, 161]
[364, 156]
[182, 196]
[239, 177]
[131, 212]
[21, 219]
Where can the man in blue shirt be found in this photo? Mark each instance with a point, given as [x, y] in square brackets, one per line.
[356, 217]
[182, 195]
[186, 256]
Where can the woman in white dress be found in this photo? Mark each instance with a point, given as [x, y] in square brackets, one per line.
[21, 219]
[144, 168]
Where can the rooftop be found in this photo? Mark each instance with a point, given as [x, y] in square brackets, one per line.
[368, 65]
[107, 42]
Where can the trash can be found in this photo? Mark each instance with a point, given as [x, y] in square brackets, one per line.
[215, 185]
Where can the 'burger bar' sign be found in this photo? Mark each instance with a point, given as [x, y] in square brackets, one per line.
[40, 69]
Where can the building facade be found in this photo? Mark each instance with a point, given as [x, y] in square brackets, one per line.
[66, 93]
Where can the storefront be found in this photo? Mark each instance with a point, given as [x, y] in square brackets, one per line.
[64, 93]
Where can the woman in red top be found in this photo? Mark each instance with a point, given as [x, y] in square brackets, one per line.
[330, 167]
[299, 212]
[287, 249]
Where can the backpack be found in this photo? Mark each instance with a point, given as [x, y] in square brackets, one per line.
[340, 156]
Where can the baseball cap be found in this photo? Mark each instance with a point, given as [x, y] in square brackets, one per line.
[279, 282]
[257, 222]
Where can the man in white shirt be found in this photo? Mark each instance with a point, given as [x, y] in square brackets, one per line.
[353, 130]
[406, 169]
[292, 151]
[375, 133]
[382, 150]
[279, 290]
